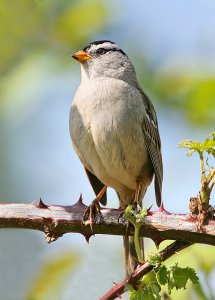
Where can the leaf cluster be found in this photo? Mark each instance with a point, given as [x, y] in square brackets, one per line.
[172, 278]
[136, 217]
[208, 145]
[207, 172]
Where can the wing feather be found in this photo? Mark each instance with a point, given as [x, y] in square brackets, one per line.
[153, 144]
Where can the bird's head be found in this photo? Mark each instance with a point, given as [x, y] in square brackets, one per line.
[105, 59]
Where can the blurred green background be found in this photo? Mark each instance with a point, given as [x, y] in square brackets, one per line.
[173, 48]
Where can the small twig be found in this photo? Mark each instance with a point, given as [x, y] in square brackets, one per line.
[210, 176]
[202, 165]
[143, 269]
[212, 185]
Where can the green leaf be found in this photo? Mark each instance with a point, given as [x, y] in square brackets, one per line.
[185, 144]
[162, 275]
[207, 144]
[180, 276]
[192, 275]
[141, 215]
[211, 151]
[189, 153]
[130, 214]
[150, 292]
[192, 146]
[135, 216]
[50, 281]
[149, 279]
[213, 135]
[155, 259]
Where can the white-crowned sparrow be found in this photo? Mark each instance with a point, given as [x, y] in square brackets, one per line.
[114, 129]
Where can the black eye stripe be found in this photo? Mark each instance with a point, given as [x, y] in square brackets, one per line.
[101, 51]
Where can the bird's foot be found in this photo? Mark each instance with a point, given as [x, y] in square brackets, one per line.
[90, 213]
[122, 211]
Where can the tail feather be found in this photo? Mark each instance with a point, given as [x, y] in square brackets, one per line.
[131, 261]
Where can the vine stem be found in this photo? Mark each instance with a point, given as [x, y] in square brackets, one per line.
[137, 242]
[202, 165]
[211, 176]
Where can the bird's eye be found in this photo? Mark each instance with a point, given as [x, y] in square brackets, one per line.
[102, 51]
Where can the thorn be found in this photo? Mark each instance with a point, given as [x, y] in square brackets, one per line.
[50, 235]
[80, 200]
[157, 242]
[87, 237]
[148, 209]
[42, 204]
[161, 209]
[79, 203]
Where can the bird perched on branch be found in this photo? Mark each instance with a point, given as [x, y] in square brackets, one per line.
[114, 130]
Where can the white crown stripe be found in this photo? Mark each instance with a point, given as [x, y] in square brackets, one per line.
[106, 45]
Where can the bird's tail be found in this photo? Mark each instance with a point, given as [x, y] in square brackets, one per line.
[130, 256]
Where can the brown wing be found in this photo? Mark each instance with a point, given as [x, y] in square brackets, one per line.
[97, 185]
[153, 144]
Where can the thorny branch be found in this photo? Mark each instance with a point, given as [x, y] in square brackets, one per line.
[55, 220]
[143, 269]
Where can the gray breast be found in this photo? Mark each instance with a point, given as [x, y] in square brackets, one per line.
[105, 125]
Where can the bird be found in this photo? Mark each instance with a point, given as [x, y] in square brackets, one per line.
[114, 131]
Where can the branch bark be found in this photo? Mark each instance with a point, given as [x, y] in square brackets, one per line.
[56, 220]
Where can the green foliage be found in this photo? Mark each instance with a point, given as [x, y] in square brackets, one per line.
[150, 292]
[188, 92]
[38, 26]
[198, 257]
[207, 146]
[155, 259]
[173, 278]
[207, 172]
[178, 277]
[136, 217]
[52, 278]
[162, 275]
[37, 38]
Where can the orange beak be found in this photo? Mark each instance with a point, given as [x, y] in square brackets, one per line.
[81, 56]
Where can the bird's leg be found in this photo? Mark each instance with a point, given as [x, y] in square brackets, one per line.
[137, 199]
[93, 208]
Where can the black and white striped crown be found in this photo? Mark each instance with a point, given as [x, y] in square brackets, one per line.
[102, 47]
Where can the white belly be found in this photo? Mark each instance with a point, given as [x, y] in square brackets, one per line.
[107, 134]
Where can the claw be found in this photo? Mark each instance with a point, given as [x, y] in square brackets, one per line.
[120, 214]
[92, 209]
[90, 213]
